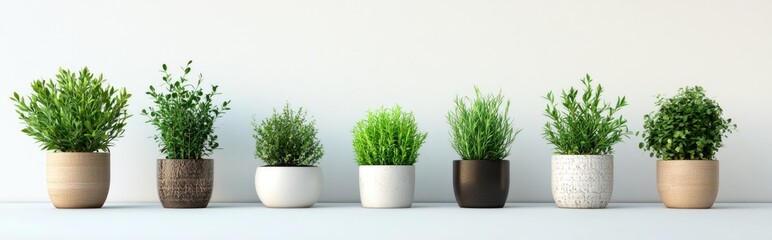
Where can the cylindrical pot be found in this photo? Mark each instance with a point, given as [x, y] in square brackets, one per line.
[687, 183]
[78, 180]
[582, 181]
[387, 186]
[481, 183]
[288, 187]
[185, 183]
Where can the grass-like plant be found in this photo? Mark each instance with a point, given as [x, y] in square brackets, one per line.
[586, 125]
[388, 136]
[287, 138]
[481, 128]
[688, 126]
[77, 113]
[184, 115]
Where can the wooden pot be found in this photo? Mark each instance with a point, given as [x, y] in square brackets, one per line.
[185, 183]
[78, 180]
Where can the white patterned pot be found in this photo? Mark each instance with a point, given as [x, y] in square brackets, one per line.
[582, 181]
[386, 186]
[288, 187]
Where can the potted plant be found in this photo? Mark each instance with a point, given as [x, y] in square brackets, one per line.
[386, 144]
[184, 116]
[686, 132]
[75, 119]
[481, 133]
[583, 132]
[288, 145]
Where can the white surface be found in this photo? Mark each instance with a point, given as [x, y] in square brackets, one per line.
[423, 221]
[382, 186]
[338, 58]
[288, 187]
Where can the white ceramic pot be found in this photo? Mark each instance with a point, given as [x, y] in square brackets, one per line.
[288, 187]
[582, 181]
[387, 186]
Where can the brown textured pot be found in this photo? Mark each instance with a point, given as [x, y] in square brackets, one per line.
[185, 183]
[78, 180]
[481, 183]
[687, 183]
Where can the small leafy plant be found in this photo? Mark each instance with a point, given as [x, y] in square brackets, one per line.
[184, 115]
[688, 126]
[481, 128]
[585, 126]
[77, 113]
[287, 138]
[388, 136]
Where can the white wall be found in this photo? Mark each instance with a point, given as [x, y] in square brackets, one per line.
[340, 58]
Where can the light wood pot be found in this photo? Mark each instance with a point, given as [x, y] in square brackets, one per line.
[78, 180]
[687, 183]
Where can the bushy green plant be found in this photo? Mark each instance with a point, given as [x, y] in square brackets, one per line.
[481, 128]
[184, 115]
[585, 126]
[388, 136]
[287, 138]
[74, 114]
[688, 126]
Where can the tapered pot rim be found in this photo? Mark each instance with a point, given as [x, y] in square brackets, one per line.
[176, 159]
[273, 166]
[381, 166]
[583, 155]
[500, 160]
[77, 153]
[687, 160]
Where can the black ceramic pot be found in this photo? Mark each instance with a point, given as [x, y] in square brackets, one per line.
[481, 183]
[185, 183]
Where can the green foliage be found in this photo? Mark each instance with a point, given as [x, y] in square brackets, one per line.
[74, 114]
[287, 139]
[688, 126]
[480, 128]
[584, 126]
[387, 137]
[185, 116]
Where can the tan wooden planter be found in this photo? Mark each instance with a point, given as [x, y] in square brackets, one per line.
[687, 183]
[78, 180]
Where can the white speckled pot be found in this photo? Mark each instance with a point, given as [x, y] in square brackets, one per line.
[387, 186]
[582, 181]
[288, 187]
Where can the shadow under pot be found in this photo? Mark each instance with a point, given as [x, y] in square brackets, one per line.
[582, 181]
[386, 186]
[288, 186]
[185, 183]
[687, 183]
[481, 183]
[77, 180]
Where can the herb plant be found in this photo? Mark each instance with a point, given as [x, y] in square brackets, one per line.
[481, 128]
[77, 113]
[585, 125]
[688, 126]
[184, 115]
[388, 136]
[287, 138]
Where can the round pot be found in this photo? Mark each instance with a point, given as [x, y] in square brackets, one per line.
[582, 181]
[687, 183]
[481, 183]
[77, 180]
[185, 183]
[288, 187]
[387, 186]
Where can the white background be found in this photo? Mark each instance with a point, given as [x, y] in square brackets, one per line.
[340, 58]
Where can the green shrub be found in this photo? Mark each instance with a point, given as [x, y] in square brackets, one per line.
[184, 116]
[584, 126]
[74, 114]
[287, 139]
[481, 128]
[688, 126]
[387, 137]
